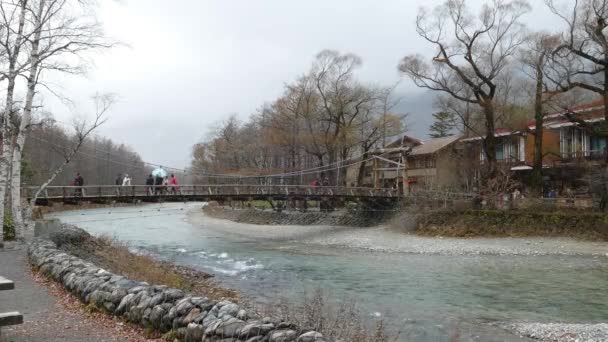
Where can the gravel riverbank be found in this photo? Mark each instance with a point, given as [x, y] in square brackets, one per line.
[557, 332]
[384, 239]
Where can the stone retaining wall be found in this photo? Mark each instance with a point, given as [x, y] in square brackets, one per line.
[160, 307]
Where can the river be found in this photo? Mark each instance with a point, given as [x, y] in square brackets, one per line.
[429, 289]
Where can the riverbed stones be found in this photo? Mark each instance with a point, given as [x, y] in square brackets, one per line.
[311, 336]
[228, 310]
[229, 328]
[157, 306]
[283, 336]
[194, 332]
[253, 329]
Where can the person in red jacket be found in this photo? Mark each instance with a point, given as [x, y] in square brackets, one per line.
[173, 183]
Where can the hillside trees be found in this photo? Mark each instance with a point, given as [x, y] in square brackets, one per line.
[322, 119]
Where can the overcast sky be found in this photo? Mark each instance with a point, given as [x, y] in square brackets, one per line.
[191, 63]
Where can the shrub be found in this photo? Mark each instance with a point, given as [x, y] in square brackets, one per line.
[8, 227]
[341, 321]
[514, 223]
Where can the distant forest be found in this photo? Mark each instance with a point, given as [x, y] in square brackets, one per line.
[99, 160]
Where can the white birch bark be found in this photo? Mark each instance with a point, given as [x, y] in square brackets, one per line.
[6, 155]
[24, 125]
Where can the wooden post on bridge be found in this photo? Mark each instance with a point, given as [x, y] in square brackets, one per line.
[376, 165]
[406, 189]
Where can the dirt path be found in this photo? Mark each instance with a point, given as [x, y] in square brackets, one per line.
[50, 313]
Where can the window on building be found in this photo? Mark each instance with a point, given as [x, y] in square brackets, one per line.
[597, 145]
[500, 150]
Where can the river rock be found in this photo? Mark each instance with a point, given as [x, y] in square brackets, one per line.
[311, 336]
[191, 316]
[229, 309]
[124, 303]
[229, 328]
[211, 326]
[256, 339]
[283, 336]
[156, 315]
[200, 318]
[255, 329]
[242, 315]
[194, 332]
[183, 306]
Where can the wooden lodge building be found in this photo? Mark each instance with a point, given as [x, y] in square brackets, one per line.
[454, 163]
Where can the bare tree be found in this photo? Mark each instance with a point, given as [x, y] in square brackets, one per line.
[343, 100]
[581, 60]
[472, 54]
[535, 60]
[59, 32]
[378, 124]
[83, 129]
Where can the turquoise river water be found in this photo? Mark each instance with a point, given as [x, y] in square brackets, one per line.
[426, 297]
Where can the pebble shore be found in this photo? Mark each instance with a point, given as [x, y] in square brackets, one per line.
[558, 332]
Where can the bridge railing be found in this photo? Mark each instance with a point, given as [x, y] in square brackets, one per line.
[206, 190]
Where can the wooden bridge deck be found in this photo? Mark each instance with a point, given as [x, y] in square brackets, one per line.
[210, 192]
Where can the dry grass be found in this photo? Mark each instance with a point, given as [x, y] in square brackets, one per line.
[115, 256]
[515, 223]
[337, 322]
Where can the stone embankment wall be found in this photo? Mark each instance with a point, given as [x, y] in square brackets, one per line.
[159, 307]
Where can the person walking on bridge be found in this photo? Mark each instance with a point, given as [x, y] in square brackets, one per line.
[158, 184]
[78, 182]
[173, 182]
[126, 181]
[149, 184]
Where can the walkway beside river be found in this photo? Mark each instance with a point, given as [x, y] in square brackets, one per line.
[50, 314]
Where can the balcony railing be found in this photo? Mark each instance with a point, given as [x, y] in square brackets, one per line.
[591, 155]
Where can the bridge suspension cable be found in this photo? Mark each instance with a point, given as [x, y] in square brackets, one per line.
[324, 168]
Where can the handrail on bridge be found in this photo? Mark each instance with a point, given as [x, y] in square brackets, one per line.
[204, 190]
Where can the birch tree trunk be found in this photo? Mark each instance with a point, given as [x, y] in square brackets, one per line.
[5, 157]
[24, 125]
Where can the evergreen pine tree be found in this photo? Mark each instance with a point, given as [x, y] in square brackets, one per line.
[443, 125]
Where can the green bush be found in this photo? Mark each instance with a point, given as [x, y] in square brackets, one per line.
[8, 227]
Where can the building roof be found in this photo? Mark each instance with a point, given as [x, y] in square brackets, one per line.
[433, 145]
[591, 112]
[403, 140]
[499, 132]
[592, 106]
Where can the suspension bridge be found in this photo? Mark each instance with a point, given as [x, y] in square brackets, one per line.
[209, 192]
[229, 187]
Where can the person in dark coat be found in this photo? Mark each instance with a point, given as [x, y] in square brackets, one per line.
[158, 185]
[78, 181]
[150, 184]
